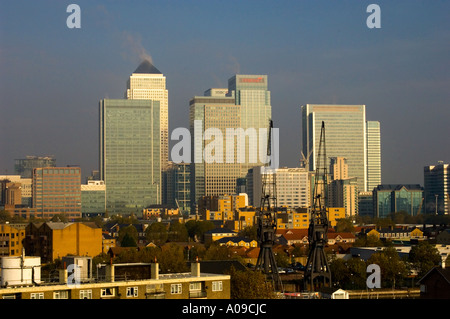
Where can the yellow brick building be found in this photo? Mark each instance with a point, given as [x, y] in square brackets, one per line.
[11, 239]
[53, 240]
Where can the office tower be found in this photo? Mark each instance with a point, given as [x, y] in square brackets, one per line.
[148, 83]
[437, 188]
[130, 154]
[24, 166]
[56, 190]
[373, 154]
[242, 107]
[25, 187]
[365, 204]
[292, 189]
[345, 136]
[252, 94]
[93, 198]
[396, 198]
[208, 176]
[344, 193]
[177, 191]
[338, 168]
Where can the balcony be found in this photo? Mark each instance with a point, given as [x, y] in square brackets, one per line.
[197, 294]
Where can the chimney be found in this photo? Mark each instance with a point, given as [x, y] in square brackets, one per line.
[195, 268]
[154, 270]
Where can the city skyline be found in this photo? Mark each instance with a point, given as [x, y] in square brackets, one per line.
[53, 77]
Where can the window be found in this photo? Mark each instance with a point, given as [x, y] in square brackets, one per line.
[38, 295]
[132, 291]
[61, 294]
[86, 294]
[175, 289]
[107, 292]
[195, 286]
[217, 286]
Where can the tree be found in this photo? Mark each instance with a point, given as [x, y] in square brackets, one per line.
[157, 233]
[250, 285]
[344, 225]
[177, 232]
[128, 241]
[217, 252]
[250, 232]
[393, 269]
[196, 228]
[423, 257]
[172, 259]
[131, 233]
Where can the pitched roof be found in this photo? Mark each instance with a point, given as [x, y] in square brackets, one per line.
[146, 67]
[234, 239]
[445, 273]
[220, 231]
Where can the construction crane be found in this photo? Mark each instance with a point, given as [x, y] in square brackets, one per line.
[305, 160]
[317, 273]
[267, 223]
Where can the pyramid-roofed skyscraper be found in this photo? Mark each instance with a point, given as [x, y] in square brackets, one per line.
[148, 83]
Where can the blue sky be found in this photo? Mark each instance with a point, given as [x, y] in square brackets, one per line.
[52, 77]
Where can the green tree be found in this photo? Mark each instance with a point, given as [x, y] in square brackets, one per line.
[393, 269]
[196, 228]
[177, 232]
[250, 285]
[344, 225]
[217, 252]
[172, 259]
[423, 257]
[250, 232]
[131, 233]
[157, 233]
[128, 241]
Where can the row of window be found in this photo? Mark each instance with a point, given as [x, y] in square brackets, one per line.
[131, 292]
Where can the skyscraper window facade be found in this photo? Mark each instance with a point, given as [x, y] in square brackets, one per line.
[373, 154]
[130, 158]
[245, 105]
[148, 83]
[345, 136]
[437, 188]
[56, 190]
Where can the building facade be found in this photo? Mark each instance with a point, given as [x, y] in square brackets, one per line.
[373, 136]
[345, 136]
[130, 154]
[24, 166]
[148, 83]
[54, 240]
[177, 187]
[11, 239]
[241, 114]
[437, 188]
[56, 190]
[93, 198]
[292, 186]
[211, 174]
[395, 198]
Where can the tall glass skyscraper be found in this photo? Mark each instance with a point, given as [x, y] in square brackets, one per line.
[148, 83]
[345, 136]
[373, 154]
[130, 161]
[244, 105]
[437, 188]
[252, 94]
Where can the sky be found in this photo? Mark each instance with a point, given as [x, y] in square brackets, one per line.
[52, 77]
